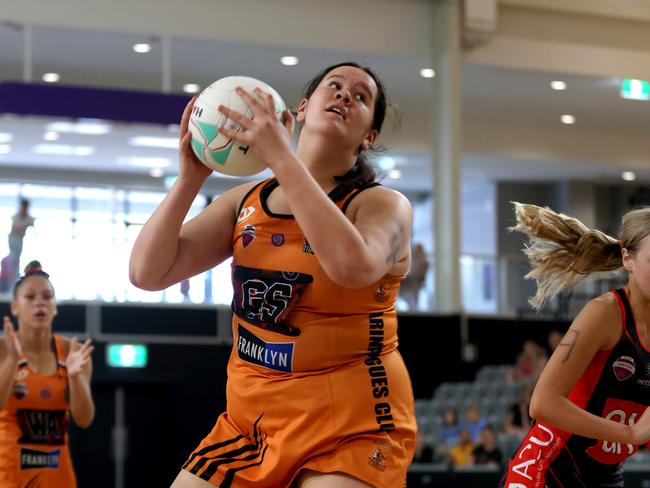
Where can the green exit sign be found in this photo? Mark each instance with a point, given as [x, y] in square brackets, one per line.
[635, 89]
[126, 355]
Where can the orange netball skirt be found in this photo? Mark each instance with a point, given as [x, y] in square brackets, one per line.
[55, 470]
[356, 419]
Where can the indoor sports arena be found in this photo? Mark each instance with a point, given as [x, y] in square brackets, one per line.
[406, 246]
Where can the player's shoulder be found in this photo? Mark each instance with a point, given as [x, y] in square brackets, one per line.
[240, 191]
[235, 196]
[381, 195]
[65, 341]
[605, 306]
[602, 316]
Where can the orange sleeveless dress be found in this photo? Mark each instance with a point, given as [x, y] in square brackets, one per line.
[314, 378]
[33, 428]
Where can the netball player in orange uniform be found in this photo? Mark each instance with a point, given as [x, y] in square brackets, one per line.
[317, 394]
[43, 377]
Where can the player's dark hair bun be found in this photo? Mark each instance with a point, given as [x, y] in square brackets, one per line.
[34, 267]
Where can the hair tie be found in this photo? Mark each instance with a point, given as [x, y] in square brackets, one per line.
[35, 267]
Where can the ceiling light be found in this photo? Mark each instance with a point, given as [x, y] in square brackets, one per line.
[395, 174]
[5, 148]
[289, 60]
[153, 141]
[157, 172]
[51, 77]
[51, 135]
[5, 137]
[427, 73]
[64, 150]
[145, 162]
[191, 88]
[87, 126]
[568, 119]
[628, 175]
[558, 85]
[141, 48]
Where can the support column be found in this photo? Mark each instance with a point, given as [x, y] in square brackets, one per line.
[28, 49]
[166, 58]
[446, 140]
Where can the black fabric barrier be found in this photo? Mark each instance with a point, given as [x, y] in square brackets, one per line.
[422, 476]
[169, 407]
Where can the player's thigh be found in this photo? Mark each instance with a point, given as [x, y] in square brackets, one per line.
[314, 479]
[188, 480]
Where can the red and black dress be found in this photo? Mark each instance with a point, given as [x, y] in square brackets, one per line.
[615, 386]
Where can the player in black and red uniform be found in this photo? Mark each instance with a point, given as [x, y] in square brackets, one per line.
[589, 404]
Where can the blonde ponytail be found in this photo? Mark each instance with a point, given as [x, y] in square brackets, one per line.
[562, 250]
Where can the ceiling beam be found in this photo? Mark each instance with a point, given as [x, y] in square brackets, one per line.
[567, 42]
[623, 9]
[354, 26]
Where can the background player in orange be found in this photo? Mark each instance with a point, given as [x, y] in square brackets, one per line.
[317, 393]
[43, 378]
[590, 401]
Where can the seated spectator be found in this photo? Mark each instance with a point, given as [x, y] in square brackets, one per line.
[460, 454]
[423, 452]
[449, 434]
[518, 419]
[554, 339]
[474, 424]
[450, 429]
[530, 363]
[487, 452]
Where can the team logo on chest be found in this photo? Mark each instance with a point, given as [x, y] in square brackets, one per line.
[265, 297]
[247, 235]
[19, 390]
[42, 426]
[277, 239]
[624, 368]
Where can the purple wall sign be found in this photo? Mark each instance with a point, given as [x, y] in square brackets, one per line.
[92, 103]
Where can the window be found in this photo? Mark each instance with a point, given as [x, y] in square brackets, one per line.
[83, 237]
